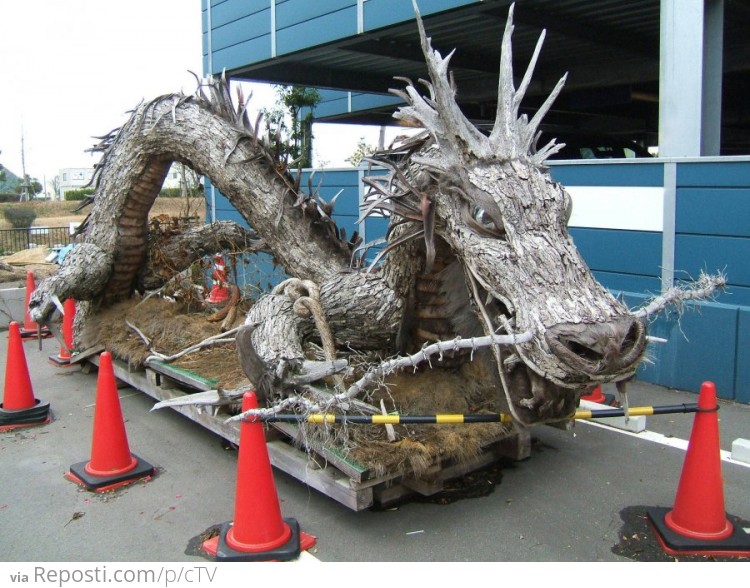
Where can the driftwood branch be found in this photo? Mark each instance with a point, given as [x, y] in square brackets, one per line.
[704, 287]
[393, 365]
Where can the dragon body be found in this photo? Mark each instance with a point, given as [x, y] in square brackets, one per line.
[478, 245]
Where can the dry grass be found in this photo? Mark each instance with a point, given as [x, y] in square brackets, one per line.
[61, 214]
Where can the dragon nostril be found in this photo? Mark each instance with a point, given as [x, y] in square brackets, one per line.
[582, 351]
[598, 348]
[632, 337]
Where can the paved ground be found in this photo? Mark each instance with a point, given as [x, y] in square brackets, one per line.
[580, 497]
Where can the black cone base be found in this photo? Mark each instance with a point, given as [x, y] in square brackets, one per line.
[289, 551]
[738, 543]
[27, 334]
[78, 474]
[34, 415]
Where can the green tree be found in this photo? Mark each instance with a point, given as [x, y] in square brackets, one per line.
[32, 185]
[290, 122]
[2, 171]
[362, 151]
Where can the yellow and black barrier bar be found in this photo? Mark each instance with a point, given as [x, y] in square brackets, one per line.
[458, 419]
[605, 413]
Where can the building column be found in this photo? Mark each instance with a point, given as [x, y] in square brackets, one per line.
[690, 76]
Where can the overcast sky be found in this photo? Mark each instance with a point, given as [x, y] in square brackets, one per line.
[71, 70]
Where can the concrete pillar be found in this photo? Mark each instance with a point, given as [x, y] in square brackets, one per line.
[690, 77]
[713, 54]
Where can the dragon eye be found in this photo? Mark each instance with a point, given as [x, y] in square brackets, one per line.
[480, 215]
[484, 223]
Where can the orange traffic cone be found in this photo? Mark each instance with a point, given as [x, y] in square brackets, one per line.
[598, 396]
[63, 357]
[698, 524]
[19, 407]
[111, 464]
[258, 532]
[30, 329]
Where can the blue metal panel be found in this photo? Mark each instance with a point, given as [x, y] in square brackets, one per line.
[376, 227]
[294, 12]
[244, 29]
[608, 174]
[381, 13]
[326, 94]
[332, 107]
[730, 173]
[714, 211]
[369, 101]
[318, 31]
[702, 345]
[625, 252]
[735, 295]
[258, 274]
[237, 55]
[232, 10]
[696, 253]
[627, 282]
[338, 177]
[742, 381]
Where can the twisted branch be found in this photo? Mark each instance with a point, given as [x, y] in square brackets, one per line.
[704, 287]
[385, 368]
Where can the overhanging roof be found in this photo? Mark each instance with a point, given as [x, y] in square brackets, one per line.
[609, 48]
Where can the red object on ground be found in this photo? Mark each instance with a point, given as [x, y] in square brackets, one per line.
[18, 391]
[596, 395]
[699, 503]
[110, 452]
[698, 523]
[30, 329]
[258, 531]
[64, 356]
[19, 407]
[111, 464]
[220, 276]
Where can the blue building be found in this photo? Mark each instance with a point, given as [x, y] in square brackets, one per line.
[672, 75]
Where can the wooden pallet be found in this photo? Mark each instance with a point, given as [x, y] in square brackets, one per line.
[319, 467]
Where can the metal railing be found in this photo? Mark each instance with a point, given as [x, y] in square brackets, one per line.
[14, 240]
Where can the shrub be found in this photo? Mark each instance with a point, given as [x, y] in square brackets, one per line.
[21, 217]
[7, 197]
[170, 192]
[78, 194]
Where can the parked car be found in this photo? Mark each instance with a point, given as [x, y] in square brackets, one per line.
[590, 146]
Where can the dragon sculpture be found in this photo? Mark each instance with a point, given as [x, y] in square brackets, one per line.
[478, 246]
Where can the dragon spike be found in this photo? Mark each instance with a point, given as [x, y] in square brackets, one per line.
[440, 113]
[512, 137]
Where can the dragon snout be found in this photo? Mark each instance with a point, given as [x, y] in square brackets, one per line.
[599, 348]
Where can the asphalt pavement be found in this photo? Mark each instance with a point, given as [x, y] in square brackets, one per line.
[580, 497]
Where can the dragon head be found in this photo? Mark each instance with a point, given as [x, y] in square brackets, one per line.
[492, 201]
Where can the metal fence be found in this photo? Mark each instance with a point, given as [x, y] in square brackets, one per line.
[14, 240]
